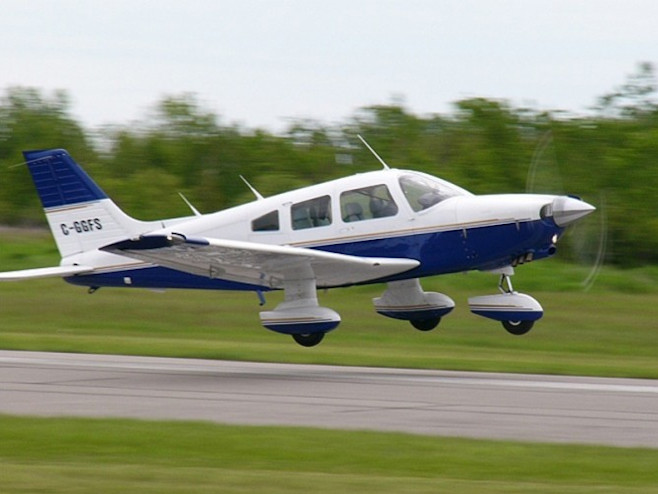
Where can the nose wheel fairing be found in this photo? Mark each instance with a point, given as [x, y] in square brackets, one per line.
[506, 307]
[516, 311]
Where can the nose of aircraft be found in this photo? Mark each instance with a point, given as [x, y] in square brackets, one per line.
[567, 210]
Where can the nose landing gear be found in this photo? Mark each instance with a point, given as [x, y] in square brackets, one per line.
[516, 311]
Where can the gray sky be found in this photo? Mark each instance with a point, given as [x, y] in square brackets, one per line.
[258, 62]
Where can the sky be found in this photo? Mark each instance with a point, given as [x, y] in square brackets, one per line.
[264, 63]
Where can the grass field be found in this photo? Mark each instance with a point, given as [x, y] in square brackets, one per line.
[610, 330]
[119, 456]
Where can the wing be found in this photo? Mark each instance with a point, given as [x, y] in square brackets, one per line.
[61, 271]
[255, 263]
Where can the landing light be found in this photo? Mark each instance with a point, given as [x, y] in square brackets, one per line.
[554, 239]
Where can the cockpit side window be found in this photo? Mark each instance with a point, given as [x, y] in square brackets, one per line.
[267, 223]
[312, 213]
[367, 203]
[423, 193]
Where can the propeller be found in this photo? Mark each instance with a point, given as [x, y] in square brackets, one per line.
[588, 238]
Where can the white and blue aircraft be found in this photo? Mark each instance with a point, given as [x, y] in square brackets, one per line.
[387, 226]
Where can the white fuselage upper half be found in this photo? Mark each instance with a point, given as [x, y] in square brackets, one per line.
[459, 210]
[388, 213]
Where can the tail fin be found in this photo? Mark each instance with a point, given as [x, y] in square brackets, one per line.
[81, 216]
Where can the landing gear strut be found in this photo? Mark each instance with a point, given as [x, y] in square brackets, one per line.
[505, 279]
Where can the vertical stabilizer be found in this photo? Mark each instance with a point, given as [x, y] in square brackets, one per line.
[81, 216]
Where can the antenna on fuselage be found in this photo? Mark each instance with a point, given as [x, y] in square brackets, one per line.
[189, 204]
[256, 193]
[386, 167]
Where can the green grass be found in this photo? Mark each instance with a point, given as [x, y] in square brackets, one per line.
[24, 249]
[610, 330]
[108, 456]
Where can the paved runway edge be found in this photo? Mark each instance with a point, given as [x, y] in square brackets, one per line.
[565, 409]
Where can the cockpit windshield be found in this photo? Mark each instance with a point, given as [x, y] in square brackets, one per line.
[424, 191]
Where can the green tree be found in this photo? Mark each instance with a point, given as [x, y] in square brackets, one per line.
[31, 120]
[486, 146]
[635, 98]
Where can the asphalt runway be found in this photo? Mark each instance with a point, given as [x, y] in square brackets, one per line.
[620, 412]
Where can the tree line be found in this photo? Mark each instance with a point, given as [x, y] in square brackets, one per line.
[609, 156]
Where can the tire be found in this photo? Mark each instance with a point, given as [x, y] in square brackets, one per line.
[308, 340]
[518, 328]
[425, 324]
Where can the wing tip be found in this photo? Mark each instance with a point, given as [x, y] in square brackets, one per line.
[51, 272]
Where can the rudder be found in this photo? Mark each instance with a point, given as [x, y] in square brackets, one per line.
[59, 179]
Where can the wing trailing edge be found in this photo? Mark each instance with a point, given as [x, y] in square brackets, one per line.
[256, 263]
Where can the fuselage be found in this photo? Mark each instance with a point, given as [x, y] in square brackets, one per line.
[386, 213]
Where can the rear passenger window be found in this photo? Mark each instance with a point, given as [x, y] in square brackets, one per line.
[310, 214]
[367, 203]
[267, 223]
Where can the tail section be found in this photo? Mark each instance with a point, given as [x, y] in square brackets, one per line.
[81, 216]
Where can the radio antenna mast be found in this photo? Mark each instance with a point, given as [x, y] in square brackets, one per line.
[386, 167]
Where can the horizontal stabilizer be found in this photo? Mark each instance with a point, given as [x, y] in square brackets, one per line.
[52, 272]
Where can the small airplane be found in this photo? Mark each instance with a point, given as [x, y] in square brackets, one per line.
[386, 226]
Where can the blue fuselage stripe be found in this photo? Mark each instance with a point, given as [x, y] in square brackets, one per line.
[440, 252]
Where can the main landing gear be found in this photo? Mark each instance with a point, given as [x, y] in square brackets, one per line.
[300, 315]
[516, 311]
[406, 300]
